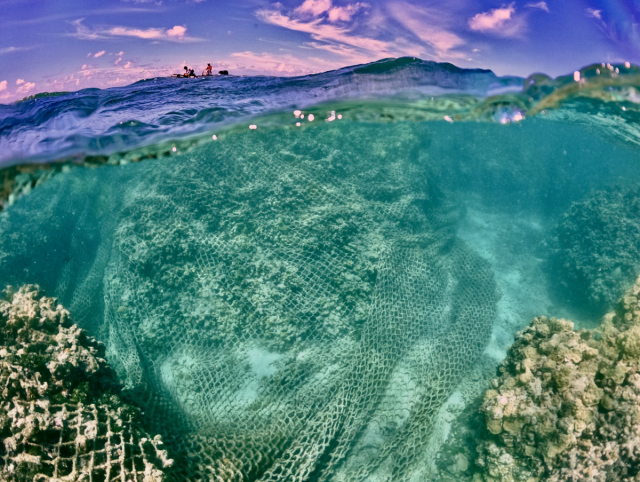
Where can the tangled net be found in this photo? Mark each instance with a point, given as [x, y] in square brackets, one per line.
[285, 305]
[60, 416]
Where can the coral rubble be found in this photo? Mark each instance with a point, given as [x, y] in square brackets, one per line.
[597, 247]
[61, 418]
[566, 406]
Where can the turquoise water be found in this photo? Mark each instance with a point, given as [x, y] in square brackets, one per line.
[318, 301]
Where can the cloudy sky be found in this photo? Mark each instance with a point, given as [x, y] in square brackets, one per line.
[55, 45]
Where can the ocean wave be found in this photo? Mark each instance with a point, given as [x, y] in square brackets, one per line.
[160, 116]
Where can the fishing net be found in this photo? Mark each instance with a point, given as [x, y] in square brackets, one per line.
[285, 305]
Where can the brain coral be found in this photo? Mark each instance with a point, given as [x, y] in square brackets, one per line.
[597, 247]
[566, 406]
[60, 416]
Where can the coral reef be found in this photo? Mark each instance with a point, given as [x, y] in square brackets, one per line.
[61, 418]
[597, 248]
[566, 406]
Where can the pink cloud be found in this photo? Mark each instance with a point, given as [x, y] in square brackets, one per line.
[3, 85]
[177, 32]
[499, 21]
[330, 33]
[313, 8]
[99, 54]
[150, 33]
[538, 5]
[344, 14]
[592, 12]
[351, 55]
[19, 81]
[493, 19]
[333, 29]
[26, 88]
[430, 25]
[283, 64]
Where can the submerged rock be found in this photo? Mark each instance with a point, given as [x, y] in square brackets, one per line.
[60, 414]
[566, 406]
[597, 248]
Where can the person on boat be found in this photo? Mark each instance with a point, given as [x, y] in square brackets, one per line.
[192, 73]
[186, 71]
[209, 69]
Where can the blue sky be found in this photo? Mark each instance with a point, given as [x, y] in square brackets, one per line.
[54, 45]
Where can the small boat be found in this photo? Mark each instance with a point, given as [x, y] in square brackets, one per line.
[222, 73]
[206, 73]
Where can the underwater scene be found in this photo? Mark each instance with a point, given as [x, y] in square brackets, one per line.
[399, 271]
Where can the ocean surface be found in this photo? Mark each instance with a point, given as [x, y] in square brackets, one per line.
[312, 278]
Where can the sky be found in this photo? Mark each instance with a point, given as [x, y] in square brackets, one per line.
[67, 45]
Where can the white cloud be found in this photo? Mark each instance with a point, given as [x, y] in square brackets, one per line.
[99, 54]
[19, 81]
[539, 5]
[592, 12]
[127, 65]
[26, 88]
[499, 21]
[3, 85]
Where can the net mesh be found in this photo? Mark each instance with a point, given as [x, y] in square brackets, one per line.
[286, 305]
[60, 418]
